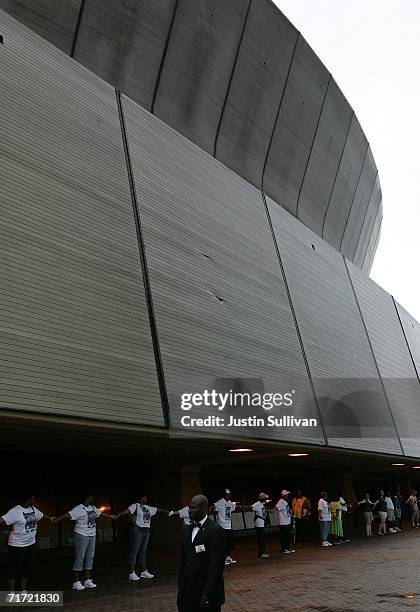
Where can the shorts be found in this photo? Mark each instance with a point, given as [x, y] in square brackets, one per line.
[382, 515]
[391, 515]
[19, 562]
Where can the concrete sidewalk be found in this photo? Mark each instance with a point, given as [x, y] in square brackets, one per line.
[361, 576]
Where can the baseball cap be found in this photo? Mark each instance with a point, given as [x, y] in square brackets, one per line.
[263, 496]
[284, 492]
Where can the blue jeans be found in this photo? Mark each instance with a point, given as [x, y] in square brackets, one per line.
[324, 527]
[85, 552]
[138, 538]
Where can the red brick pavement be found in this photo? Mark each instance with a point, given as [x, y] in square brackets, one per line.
[361, 576]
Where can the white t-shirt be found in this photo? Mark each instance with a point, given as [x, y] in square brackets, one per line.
[324, 507]
[343, 504]
[144, 514]
[25, 523]
[260, 509]
[224, 510]
[184, 514]
[412, 500]
[389, 503]
[284, 512]
[85, 517]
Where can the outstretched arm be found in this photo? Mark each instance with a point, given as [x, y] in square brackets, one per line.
[66, 515]
[126, 511]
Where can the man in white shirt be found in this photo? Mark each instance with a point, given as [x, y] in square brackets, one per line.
[224, 508]
[285, 521]
[390, 510]
[260, 518]
[324, 516]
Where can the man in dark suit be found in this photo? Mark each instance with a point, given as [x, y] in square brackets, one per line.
[200, 583]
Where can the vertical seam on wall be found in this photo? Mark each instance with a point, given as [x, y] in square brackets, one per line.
[312, 146]
[373, 355]
[231, 78]
[406, 339]
[76, 31]
[143, 260]
[364, 217]
[292, 308]
[354, 195]
[370, 238]
[336, 174]
[162, 61]
[270, 142]
[375, 246]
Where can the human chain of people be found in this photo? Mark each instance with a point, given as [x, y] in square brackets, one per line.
[293, 515]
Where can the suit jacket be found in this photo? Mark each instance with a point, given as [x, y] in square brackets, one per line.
[201, 573]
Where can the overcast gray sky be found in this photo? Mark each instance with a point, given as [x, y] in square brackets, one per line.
[372, 48]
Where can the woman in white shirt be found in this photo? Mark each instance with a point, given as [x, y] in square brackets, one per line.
[23, 519]
[140, 515]
[84, 536]
[414, 508]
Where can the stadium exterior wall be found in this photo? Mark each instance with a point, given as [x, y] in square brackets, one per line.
[240, 81]
[137, 267]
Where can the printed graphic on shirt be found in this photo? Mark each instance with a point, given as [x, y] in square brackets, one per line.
[228, 513]
[91, 518]
[30, 521]
[146, 514]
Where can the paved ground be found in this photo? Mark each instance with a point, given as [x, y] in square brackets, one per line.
[361, 576]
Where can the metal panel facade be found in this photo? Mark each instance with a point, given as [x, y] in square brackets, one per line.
[222, 312]
[255, 92]
[215, 71]
[198, 66]
[327, 149]
[55, 21]
[393, 358]
[345, 185]
[411, 329]
[74, 327]
[359, 207]
[295, 128]
[341, 363]
[132, 64]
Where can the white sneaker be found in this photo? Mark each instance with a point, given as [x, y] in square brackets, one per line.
[286, 552]
[231, 560]
[78, 586]
[89, 584]
[325, 543]
[133, 576]
[291, 550]
[264, 556]
[227, 562]
[146, 574]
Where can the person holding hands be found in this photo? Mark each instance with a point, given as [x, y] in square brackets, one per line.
[140, 515]
[84, 516]
[23, 520]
